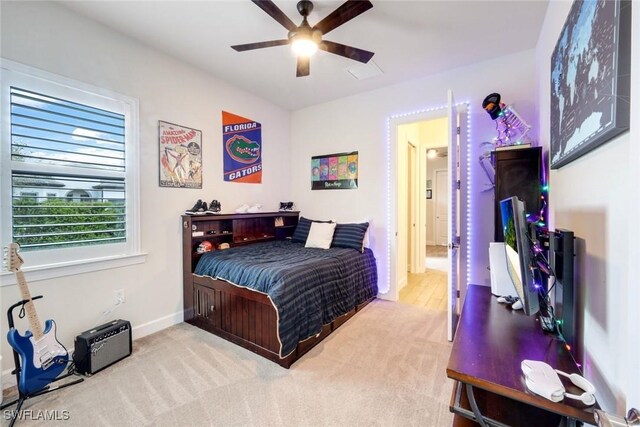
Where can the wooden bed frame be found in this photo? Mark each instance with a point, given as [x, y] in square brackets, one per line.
[240, 315]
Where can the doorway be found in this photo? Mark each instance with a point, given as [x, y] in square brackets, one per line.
[437, 207]
[426, 208]
[457, 117]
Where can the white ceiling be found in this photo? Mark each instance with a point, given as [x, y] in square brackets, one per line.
[411, 39]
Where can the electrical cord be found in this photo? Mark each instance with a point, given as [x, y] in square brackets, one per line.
[552, 285]
[71, 368]
[108, 312]
[549, 323]
[547, 315]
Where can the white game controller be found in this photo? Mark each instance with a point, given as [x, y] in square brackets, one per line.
[516, 303]
[543, 380]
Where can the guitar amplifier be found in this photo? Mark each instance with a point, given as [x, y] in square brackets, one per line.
[102, 346]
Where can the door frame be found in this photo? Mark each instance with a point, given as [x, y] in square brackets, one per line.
[435, 186]
[390, 276]
[413, 210]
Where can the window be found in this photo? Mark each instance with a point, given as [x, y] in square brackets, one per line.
[69, 193]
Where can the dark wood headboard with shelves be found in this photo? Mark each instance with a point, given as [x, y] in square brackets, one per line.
[233, 229]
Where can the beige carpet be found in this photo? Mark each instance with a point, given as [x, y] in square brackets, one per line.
[385, 367]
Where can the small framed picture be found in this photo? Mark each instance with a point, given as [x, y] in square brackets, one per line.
[335, 171]
[429, 194]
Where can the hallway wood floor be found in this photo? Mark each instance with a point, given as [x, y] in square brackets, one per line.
[428, 289]
[436, 251]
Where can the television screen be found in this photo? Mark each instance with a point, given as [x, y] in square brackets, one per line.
[518, 253]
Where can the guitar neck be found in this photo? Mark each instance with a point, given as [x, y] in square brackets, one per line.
[29, 308]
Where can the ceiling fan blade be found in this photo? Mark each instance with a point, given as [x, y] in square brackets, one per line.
[342, 14]
[302, 69]
[275, 12]
[259, 45]
[354, 53]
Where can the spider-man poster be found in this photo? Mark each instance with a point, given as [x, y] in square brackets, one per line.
[242, 141]
[180, 156]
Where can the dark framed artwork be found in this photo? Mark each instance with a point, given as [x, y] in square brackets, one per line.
[180, 156]
[590, 79]
[334, 171]
[429, 194]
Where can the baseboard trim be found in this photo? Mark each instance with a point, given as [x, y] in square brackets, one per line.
[157, 325]
[431, 242]
[402, 283]
[164, 322]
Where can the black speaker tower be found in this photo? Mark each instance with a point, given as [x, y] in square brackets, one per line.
[561, 260]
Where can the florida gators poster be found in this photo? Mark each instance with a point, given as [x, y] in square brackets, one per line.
[242, 140]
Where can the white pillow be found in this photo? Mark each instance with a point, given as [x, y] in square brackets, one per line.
[320, 235]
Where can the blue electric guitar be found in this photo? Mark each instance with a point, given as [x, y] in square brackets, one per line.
[42, 357]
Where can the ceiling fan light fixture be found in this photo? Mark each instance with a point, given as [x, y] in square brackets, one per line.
[304, 46]
[305, 40]
[432, 153]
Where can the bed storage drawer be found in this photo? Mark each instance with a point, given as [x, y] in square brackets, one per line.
[235, 312]
[248, 319]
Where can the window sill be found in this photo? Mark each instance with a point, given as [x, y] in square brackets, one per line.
[51, 271]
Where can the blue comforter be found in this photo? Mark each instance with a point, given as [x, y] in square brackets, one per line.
[309, 287]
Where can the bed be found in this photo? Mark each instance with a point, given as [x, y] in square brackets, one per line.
[278, 298]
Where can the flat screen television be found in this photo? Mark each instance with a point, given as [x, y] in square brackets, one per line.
[518, 253]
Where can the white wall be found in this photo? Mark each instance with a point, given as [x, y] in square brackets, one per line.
[633, 314]
[50, 37]
[597, 197]
[434, 134]
[359, 123]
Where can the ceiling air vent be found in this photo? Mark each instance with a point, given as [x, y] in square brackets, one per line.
[364, 71]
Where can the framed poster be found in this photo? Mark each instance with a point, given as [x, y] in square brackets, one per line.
[180, 156]
[590, 79]
[334, 171]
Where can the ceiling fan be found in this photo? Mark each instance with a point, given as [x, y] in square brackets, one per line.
[432, 153]
[305, 40]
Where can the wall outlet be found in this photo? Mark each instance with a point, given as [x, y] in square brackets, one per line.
[119, 297]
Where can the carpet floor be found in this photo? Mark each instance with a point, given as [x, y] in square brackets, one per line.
[384, 367]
